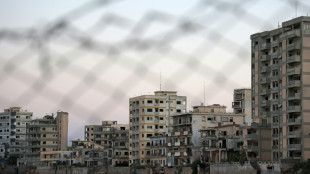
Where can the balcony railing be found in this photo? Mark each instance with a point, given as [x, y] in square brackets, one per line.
[294, 133]
[294, 96]
[265, 46]
[294, 146]
[293, 71]
[293, 46]
[294, 108]
[292, 59]
[294, 120]
[294, 83]
[264, 80]
[265, 69]
[265, 58]
[252, 148]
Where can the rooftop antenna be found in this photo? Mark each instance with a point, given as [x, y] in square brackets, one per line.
[160, 81]
[296, 7]
[204, 93]
[278, 24]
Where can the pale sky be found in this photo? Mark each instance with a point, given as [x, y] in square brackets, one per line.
[95, 84]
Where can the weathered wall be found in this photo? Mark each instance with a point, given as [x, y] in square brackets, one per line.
[234, 168]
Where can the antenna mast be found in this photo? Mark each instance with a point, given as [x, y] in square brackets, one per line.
[204, 93]
[296, 8]
[160, 81]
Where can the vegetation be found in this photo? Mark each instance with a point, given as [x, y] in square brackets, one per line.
[195, 164]
[12, 160]
[303, 168]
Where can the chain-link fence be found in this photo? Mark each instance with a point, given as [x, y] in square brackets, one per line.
[90, 60]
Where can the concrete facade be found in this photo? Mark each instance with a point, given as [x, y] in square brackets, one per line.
[47, 140]
[13, 123]
[242, 103]
[281, 87]
[115, 139]
[184, 140]
[149, 116]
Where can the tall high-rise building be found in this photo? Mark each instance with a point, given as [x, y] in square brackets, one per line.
[281, 88]
[149, 115]
[13, 123]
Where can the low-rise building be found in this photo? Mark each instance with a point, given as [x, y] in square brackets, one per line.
[47, 139]
[257, 141]
[85, 153]
[221, 143]
[184, 140]
[115, 139]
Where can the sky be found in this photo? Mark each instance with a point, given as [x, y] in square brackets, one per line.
[104, 52]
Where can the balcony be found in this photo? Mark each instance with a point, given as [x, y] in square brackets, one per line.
[254, 136]
[238, 97]
[275, 147]
[294, 83]
[265, 58]
[293, 59]
[294, 146]
[236, 105]
[294, 108]
[265, 46]
[265, 114]
[294, 134]
[290, 34]
[274, 55]
[294, 33]
[265, 69]
[292, 121]
[294, 96]
[265, 92]
[252, 148]
[274, 43]
[265, 103]
[264, 80]
[293, 71]
[293, 46]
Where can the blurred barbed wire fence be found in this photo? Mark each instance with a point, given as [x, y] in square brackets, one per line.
[57, 45]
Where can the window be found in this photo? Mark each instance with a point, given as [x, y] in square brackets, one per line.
[161, 101]
[179, 102]
[231, 119]
[212, 110]
[161, 118]
[149, 110]
[203, 118]
[149, 101]
[44, 135]
[224, 119]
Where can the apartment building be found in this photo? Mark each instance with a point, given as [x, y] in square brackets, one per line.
[13, 123]
[242, 103]
[184, 140]
[149, 116]
[280, 87]
[115, 139]
[86, 153]
[47, 140]
[158, 151]
[222, 143]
